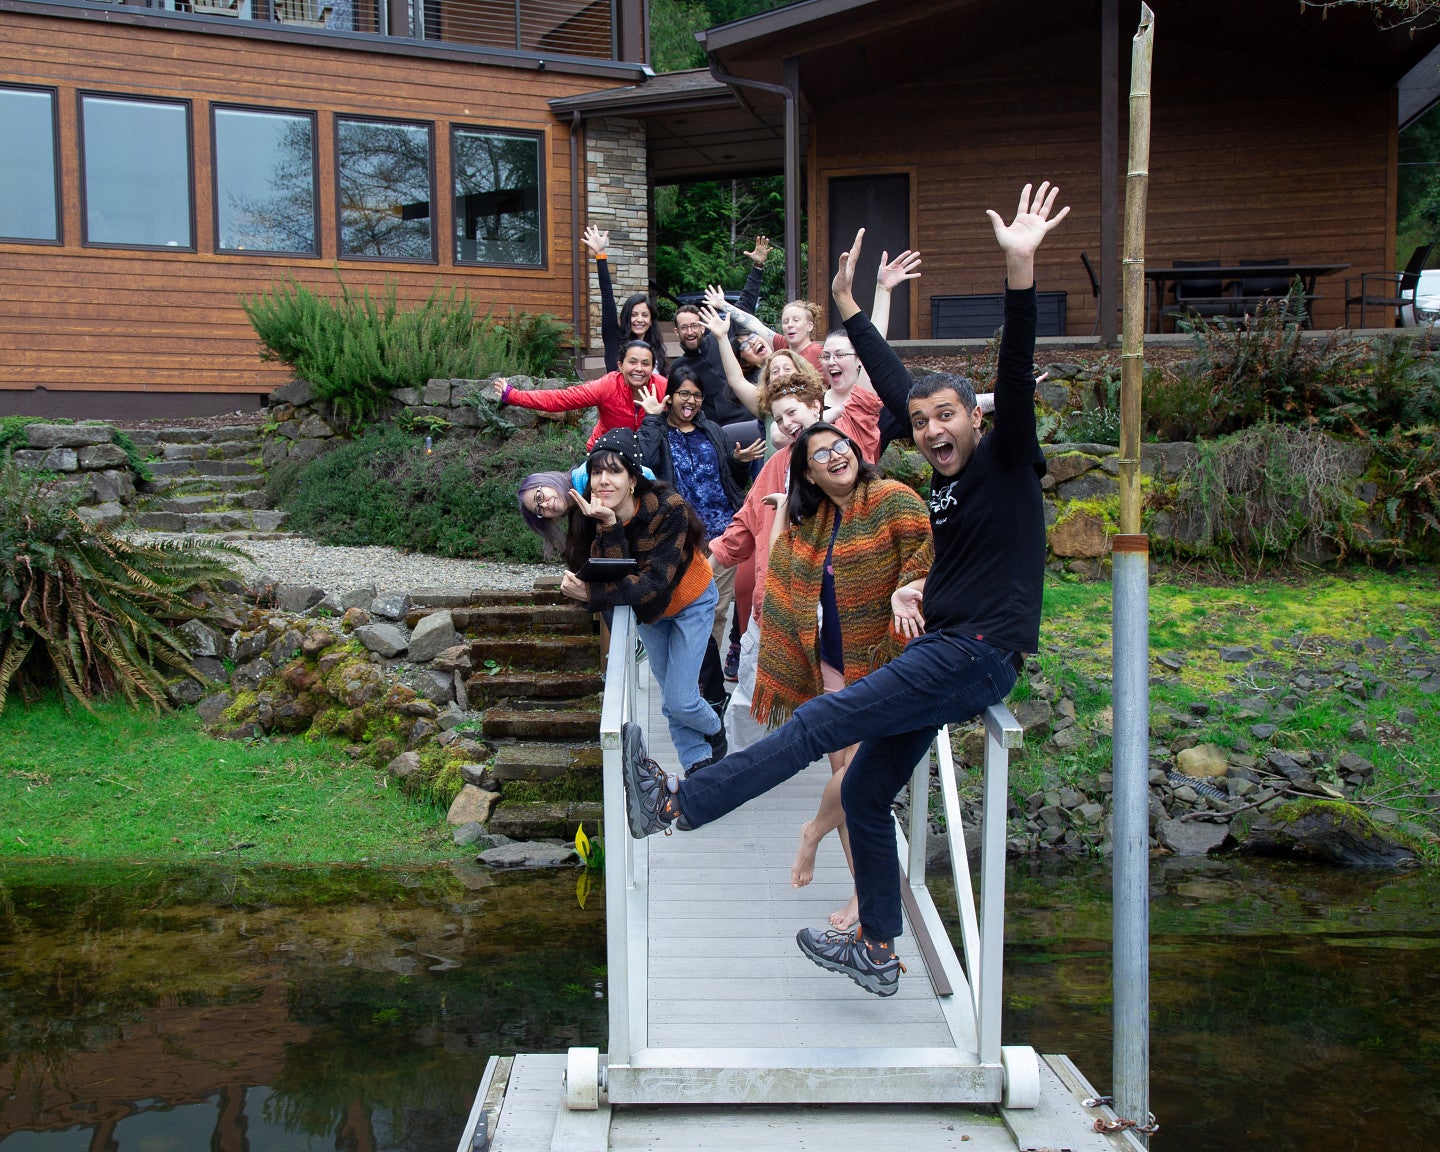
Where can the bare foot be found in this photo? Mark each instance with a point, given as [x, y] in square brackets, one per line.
[847, 916]
[803, 870]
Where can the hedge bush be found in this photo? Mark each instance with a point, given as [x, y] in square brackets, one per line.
[458, 500]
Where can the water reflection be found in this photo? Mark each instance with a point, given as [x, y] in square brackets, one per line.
[276, 1009]
[143, 1010]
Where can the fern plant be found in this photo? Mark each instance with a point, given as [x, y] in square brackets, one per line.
[88, 610]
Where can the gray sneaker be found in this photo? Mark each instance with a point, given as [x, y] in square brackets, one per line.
[845, 952]
[650, 803]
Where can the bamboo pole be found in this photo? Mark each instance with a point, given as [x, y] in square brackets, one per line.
[1132, 355]
[1131, 644]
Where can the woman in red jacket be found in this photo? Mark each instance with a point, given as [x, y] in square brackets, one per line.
[615, 394]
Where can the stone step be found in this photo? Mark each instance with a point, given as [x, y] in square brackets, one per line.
[204, 502]
[187, 483]
[203, 468]
[558, 725]
[260, 520]
[429, 600]
[225, 450]
[529, 761]
[146, 437]
[516, 620]
[486, 690]
[538, 820]
[553, 653]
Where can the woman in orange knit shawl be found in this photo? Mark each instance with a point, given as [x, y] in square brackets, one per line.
[847, 538]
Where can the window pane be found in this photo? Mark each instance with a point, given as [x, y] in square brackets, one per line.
[384, 176]
[497, 198]
[264, 181]
[137, 172]
[27, 166]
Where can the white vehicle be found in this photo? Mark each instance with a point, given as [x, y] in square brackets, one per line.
[1427, 301]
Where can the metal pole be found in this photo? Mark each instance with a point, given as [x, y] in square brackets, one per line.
[1131, 641]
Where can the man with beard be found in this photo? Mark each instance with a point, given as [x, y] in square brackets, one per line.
[981, 613]
[700, 352]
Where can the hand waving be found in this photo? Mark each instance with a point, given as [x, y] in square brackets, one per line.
[761, 252]
[716, 324]
[715, 298]
[905, 266]
[1022, 236]
[597, 241]
[650, 401]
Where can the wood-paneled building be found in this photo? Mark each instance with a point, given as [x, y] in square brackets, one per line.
[162, 162]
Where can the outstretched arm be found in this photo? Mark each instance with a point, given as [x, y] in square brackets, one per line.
[715, 298]
[599, 244]
[891, 275]
[745, 392]
[887, 374]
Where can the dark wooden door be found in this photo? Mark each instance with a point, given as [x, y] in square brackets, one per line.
[880, 205]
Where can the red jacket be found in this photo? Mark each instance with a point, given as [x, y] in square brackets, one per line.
[610, 393]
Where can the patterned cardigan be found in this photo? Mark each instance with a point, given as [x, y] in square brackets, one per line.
[884, 541]
[654, 536]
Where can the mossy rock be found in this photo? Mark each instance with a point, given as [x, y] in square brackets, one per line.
[1326, 831]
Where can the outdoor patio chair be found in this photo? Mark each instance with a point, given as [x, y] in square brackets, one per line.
[1386, 290]
[1095, 290]
[1202, 297]
[1255, 290]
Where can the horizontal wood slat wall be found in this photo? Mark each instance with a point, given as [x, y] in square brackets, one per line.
[75, 318]
[1249, 158]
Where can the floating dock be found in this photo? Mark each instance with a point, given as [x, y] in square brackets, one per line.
[723, 1035]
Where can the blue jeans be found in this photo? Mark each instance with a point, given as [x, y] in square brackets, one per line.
[676, 647]
[940, 678]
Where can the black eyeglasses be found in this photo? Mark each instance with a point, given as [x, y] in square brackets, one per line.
[839, 448]
[687, 395]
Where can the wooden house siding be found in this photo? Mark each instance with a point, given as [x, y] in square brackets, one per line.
[92, 318]
[1309, 178]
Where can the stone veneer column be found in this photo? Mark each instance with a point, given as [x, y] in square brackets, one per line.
[617, 200]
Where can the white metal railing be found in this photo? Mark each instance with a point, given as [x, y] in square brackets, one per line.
[982, 928]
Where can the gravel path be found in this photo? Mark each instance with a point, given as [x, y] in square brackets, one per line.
[297, 560]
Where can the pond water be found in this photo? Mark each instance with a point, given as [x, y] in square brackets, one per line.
[150, 1009]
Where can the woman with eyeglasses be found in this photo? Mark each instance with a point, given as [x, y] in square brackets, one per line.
[636, 320]
[845, 540]
[544, 499]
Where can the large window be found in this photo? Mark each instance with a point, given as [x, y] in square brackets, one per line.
[264, 181]
[135, 172]
[498, 178]
[385, 184]
[29, 189]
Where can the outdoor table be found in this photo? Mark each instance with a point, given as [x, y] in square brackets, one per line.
[1165, 276]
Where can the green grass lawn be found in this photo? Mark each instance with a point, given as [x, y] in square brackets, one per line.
[127, 784]
[1316, 620]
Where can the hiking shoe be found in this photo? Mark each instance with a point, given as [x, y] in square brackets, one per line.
[718, 744]
[732, 663]
[650, 803]
[846, 952]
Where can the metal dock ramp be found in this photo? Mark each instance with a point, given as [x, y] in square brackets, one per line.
[721, 1031]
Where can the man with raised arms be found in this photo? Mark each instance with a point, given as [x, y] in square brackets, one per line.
[969, 623]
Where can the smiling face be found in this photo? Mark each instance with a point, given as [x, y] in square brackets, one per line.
[781, 367]
[545, 502]
[793, 416]
[640, 319]
[689, 329]
[683, 404]
[945, 433]
[839, 365]
[831, 465]
[754, 352]
[795, 322]
[612, 486]
[636, 368]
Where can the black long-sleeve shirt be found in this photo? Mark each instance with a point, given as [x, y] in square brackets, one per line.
[611, 336]
[721, 404]
[989, 520]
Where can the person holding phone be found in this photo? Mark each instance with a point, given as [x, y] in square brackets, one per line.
[671, 589]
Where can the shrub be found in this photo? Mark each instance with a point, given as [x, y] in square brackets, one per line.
[356, 351]
[83, 608]
[458, 500]
[1268, 490]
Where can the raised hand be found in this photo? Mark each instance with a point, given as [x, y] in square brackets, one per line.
[905, 604]
[597, 241]
[603, 516]
[843, 283]
[715, 323]
[905, 266]
[496, 391]
[650, 400]
[715, 298]
[761, 252]
[1022, 236]
[752, 453]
